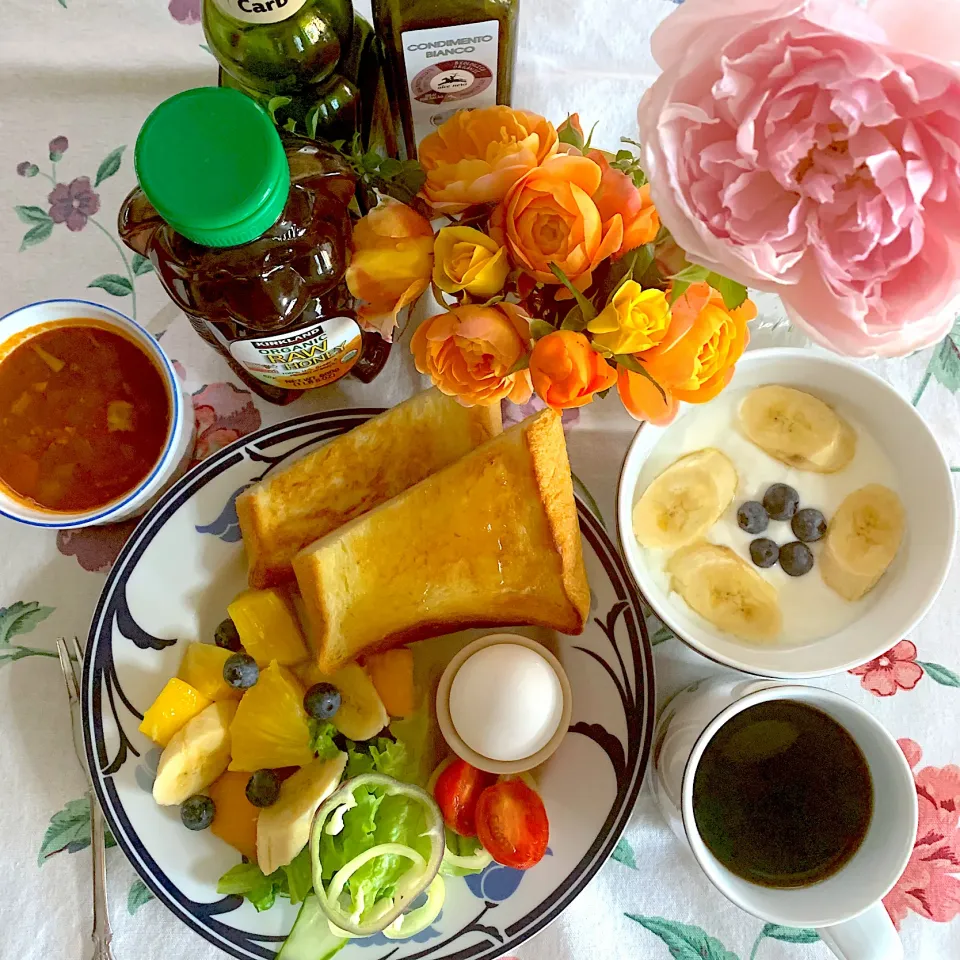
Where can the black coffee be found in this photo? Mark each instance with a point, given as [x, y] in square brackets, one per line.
[782, 796]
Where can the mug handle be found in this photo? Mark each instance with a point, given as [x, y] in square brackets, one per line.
[871, 936]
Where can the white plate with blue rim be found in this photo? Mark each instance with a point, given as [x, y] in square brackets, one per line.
[171, 585]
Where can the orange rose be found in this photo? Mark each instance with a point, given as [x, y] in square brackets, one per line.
[391, 265]
[477, 155]
[468, 352]
[566, 371]
[619, 197]
[695, 360]
[549, 217]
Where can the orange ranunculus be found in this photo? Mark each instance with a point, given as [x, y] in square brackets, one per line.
[468, 352]
[567, 372]
[391, 264]
[477, 155]
[618, 196]
[695, 360]
[549, 217]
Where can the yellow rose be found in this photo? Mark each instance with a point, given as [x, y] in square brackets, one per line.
[635, 320]
[466, 259]
[477, 155]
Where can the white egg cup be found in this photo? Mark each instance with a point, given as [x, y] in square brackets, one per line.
[455, 741]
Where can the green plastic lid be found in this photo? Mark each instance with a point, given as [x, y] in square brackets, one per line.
[212, 164]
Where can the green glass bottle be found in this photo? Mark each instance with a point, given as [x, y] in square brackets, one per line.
[443, 56]
[310, 63]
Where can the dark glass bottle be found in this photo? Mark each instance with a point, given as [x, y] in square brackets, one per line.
[249, 233]
[442, 56]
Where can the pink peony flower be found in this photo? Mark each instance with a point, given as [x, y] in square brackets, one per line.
[930, 886]
[896, 670]
[812, 148]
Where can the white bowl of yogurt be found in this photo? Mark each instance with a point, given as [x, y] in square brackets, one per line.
[821, 633]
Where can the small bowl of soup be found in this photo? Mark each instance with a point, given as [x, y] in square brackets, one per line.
[94, 423]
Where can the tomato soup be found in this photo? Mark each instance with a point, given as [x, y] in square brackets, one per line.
[84, 416]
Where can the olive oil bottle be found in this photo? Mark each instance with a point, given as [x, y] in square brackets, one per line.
[312, 64]
[443, 56]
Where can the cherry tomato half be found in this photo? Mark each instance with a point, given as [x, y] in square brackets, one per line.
[458, 788]
[512, 824]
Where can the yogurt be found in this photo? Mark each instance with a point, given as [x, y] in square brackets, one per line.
[811, 610]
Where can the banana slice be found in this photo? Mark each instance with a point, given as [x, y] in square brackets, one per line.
[725, 590]
[686, 499]
[283, 829]
[196, 755]
[797, 429]
[862, 539]
[362, 714]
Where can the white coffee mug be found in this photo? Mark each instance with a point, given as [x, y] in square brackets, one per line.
[845, 908]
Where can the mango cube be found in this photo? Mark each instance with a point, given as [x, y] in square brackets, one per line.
[268, 627]
[235, 820]
[392, 675]
[177, 704]
[202, 668]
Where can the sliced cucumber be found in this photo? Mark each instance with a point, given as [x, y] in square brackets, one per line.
[311, 937]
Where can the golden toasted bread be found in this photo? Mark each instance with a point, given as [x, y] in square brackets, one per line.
[353, 474]
[491, 540]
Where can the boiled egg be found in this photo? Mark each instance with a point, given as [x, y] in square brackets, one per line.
[506, 702]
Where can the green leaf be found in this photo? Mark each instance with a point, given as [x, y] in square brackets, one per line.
[20, 618]
[390, 167]
[631, 363]
[36, 234]
[733, 293]
[322, 733]
[588, 310]
[685, 942]
[310, 122]
[33, 215]
[569, 134]
[940, 673]
[645, 257]
[540, 329]
[623, 853]
[574, 320]
[290, 126]
[109, 166]
[276, 103]
[945, 364]
[522, 364]
[589, 142]
[789, 934]
[114, 284]
[624, 155]
[69, 830]
[139, 895]
[299, 874]
[141, 265]
[662, 635]
[587, 497]
[692, 274]
[677, 290]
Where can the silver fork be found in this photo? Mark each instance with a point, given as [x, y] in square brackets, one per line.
[101, 935]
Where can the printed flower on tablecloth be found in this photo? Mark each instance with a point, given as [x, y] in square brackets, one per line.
[930, 886]
[73, 203]
[223, 413]
[895, 670]
[185, 11]
[514, 413]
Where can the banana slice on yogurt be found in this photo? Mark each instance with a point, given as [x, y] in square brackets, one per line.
[684, 501]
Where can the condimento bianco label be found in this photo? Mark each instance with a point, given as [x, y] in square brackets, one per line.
[450, 69]
[260, 11]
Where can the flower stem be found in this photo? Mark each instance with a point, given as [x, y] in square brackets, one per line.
[923, 385]
[27, 651]
[126, 264]
[756, 946]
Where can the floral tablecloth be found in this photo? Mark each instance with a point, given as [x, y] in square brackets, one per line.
[77, 77]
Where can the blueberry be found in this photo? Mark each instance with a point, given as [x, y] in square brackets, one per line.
[809, 524]
[764, 552]
[263, 788]
[322, 701]
[226, 636]
[197, 812]
[752, 517]
[796, 558]
[781, 501]
[241, 671]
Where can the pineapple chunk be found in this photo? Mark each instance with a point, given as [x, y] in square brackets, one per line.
[268, 627]
[202, 667]
[177, 704]
[119, 416]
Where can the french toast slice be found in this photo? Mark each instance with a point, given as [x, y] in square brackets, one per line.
[491, 540]
[352, 474]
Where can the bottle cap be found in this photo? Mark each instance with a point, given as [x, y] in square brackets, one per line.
[211, 162]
